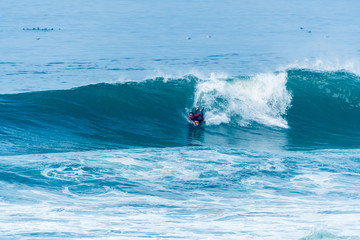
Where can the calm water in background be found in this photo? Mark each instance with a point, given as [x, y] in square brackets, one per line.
[102, 42]
[94, 141]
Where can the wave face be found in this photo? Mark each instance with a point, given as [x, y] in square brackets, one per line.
[296, 108]
[325, 108]
[98, 116]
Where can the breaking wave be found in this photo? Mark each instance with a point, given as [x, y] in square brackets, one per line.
[298, 105]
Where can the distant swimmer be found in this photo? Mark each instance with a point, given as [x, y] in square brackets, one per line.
[196, 116]
[39, 29]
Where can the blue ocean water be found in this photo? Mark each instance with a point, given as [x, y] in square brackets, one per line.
[94, 138]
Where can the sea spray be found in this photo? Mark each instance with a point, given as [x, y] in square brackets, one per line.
[263, 99]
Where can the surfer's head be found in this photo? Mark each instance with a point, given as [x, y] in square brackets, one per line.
[191, 115]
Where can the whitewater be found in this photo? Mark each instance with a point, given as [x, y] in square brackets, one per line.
[95, 141]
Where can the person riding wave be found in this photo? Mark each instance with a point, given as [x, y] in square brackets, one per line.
[196, 116]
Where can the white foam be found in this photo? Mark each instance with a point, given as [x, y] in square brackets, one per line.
[263, 99]
[251, 195]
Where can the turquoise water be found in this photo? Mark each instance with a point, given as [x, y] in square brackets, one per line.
[94, 138]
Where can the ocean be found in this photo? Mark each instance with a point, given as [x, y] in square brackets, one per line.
[95, 141]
